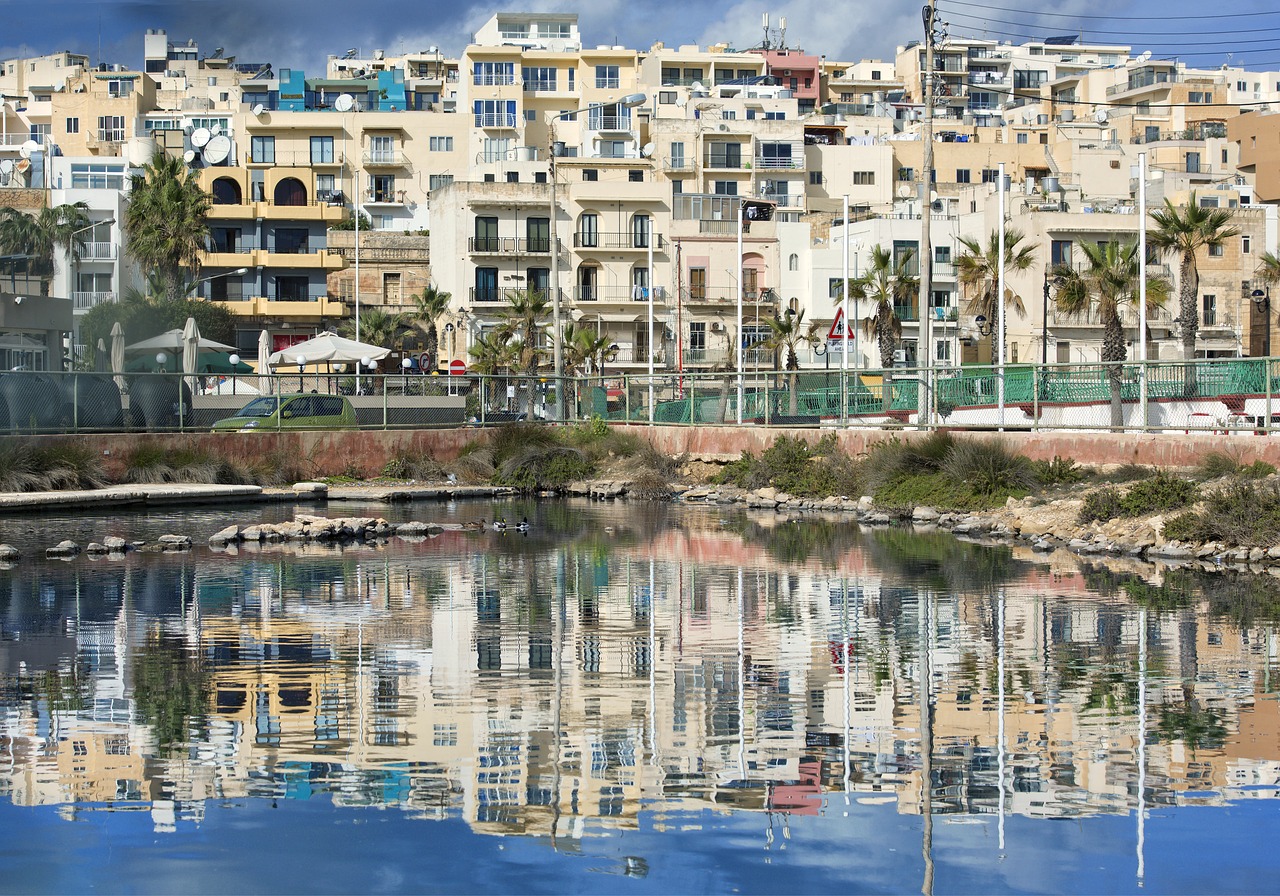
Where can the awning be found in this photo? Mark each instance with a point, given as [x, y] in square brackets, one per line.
[605, 318]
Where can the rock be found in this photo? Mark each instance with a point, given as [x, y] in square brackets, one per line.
[1256, 555]
[225, 536]
[95, 548]
[251, 533]
[866, 501]
[65, 548]
[115, 544]
[924, 514]
[315, 488]
[412, 528]
[768, 493]
[1040, 546]
[1274, 552]
[9, 553]
[1170, 550]
[878, 519]
[184, 540]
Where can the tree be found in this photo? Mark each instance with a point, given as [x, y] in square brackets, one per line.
[166, 223]
[384, 329]
[491, 355]
[1110, 283]
[888, 285]
[586, 351]
[41, 235]
[429, 306]
[978, 271]
[523, 324]
[786, 334]
[143, 314]
[1182, 231]
[1268, 269]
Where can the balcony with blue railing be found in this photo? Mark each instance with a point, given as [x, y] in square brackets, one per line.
[498, 120]
[496, 79]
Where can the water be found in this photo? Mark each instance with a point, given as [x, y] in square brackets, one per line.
[632, 699]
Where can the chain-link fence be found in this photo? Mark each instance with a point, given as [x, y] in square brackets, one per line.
[1219, 395]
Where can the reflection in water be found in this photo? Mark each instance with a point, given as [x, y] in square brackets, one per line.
[561, 689]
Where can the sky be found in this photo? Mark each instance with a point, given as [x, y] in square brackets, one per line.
[297, 34]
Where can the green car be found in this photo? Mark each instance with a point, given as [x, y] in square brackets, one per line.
[275, 412]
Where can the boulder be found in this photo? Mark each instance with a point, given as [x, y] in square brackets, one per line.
[9, 553]
[225, 536]
[66, 548]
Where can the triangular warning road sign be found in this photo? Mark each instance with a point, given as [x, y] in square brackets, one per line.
[838, 329]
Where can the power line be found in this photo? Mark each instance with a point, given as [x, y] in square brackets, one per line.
[1135, 36]
[1165, 18]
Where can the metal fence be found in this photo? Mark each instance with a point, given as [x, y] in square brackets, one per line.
[1224, 396]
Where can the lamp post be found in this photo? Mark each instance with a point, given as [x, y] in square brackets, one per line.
[405, 364]
[630, 101]
[301, 361]
[448, 332]
[1262, 301]
[235, 362]
[236, 273]
[161, 360]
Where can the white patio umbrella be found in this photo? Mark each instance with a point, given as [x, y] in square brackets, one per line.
[100, 357]
[191, 352]
[174, 341]
[328, 348]
[264, 352]
[117, 354]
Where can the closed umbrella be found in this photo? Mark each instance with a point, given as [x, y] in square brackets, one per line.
[100, 357]
[117, 354]
[264, 352]
[191, 352]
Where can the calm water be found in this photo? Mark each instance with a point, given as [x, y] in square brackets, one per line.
[646, 700]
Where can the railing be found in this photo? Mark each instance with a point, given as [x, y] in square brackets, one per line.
[677, 163]
[385, 158]
[82, 301]
[385, 197]
[97, 251]
[715, 295]
[617, 240]
[774, 163]
[600, 122]
[505, 245]
[617, 294]
[495, 120]
[718, 160]
[493, 80]
[540, 84]
[1150, 79]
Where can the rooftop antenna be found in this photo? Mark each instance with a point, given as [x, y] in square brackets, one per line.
[764, 23]
[782, 32]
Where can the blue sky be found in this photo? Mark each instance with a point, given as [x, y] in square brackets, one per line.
[292, 33]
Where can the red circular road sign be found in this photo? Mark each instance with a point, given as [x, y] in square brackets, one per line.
[457, 367]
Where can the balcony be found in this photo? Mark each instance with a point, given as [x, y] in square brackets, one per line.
[726, 296]
[315, 303]
[299, 158]
[779, 163]
[509, 245]
[98, 252]
[487, 295]
[540, 85]
[677, 163]
[617, 240]
[617, 295]
[83, 301]
[1144, 79]
[496, 120]
[616, 123]
[385, 197]
[1157, 317]
[385, 158]
[499, 80]
[727, 161]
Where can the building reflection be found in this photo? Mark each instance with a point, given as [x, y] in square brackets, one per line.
[556, 690]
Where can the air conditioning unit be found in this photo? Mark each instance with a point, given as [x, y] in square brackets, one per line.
[717, 327]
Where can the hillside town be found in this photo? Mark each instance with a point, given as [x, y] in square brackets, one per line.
[621, 183]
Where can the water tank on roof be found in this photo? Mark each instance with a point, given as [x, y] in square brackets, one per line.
[1050, 184]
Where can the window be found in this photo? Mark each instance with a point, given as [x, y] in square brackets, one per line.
[486, 289]
[325, 186]
[391, 294]
[321, 150]
[815, 178]
[677, 155]
[590, 174]
[540, 77]
[725, 187]
[1208, 201]
[775, 116]
[530, 115]
[290, 241]
[111, 128]
[97, 176]
[942, 254]
[587, 276]
[440, 144]
[538, 280]
[588, 231]
[607, 76]
[666, 97]
[612, 149]
[436, 181]
[116, 86]
[640, 283]
[942, 350]
[382, 188]
[291, 289]
[382, 149]
[1022, 138]
[906, 174]
[538, 233]
[1246, 244]
[864, 178]
[697, 340]
[962, 175]
[486, 238]
[697, 283]
[73, 125]
[834, 290]
[775, 155]
[1210, 305]
[635, 176]
[263, 150]
[489, 74]
[513, 177]
[1060, 252]
[725, 155]
[990, 175]
[1193, 162]
[1215, 251]
[640, 225]
[494, 113]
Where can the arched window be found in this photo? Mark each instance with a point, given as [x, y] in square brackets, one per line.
[587, 280]
[640, 231]
[226, 191]
[290, 191]
[793, 263]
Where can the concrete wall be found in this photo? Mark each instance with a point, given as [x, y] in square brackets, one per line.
[368, 451]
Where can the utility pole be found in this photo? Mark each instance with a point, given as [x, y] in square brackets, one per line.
[924, 353]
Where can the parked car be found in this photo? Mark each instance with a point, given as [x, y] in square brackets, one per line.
[273, 412]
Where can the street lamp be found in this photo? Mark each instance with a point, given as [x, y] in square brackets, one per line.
[301, 361]
[236, 273]
[630, 101]
[161, 360]
[1054, 281]
[405, 364]
[235, 362]
[983, 327]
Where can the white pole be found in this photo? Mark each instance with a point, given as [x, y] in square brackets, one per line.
[738, 336]
[356, 205]
[1142, 742]
[1000, 306]
[1000, 712]
[844, 311]
[649, 290]
[1142, 286]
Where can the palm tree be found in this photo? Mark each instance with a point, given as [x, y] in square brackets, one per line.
[978, 271]
[1182, 232]
[1110, 283]
[586, 351]
[491, 354]
[786, 334]
[888, 285]
[523, 325]
[166, 222]
[39, 236]
[429, 306]
[384, 329]
[1268, 269]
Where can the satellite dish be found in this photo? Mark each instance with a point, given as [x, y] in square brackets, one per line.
[200, 137]
[933, 195]
[23, 166]
[216, 130]
[1146, 54]
[218, 150]
[344, 102]
[1100, 116]
[646, 151]
[191, 157]
[696, 86]
[681, 103]
[905, 191]
[6, 166]
[258, 109]
[28, 148]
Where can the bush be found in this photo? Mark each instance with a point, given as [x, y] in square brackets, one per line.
[412, 464]
[1059, 471]
[894, 459]
[26, 467]
[150, 462]
[1102, 504]
[1244, 513]
[989, 469]
[794, 466]
[1217, 464]
[1163, 491]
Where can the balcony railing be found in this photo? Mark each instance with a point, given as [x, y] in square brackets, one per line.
[720, 160]
[507, 245]
[600, 122]
[715, 295]
[97, 251]
[385, 158]
[495, 120]
[617, 294]
[540, 84]
[385, 197]
[617, 240]
[774, 163]
[86, 300]
[1146, 79]
[501, 80]
[677, 163]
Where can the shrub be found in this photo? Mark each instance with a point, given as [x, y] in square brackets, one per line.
[894, 458]
[1161, 492]
[1243, 512]
[1059, 471]
[151, 462]
[1217, 464]
[407, 463]
[989, 469]
[1102, 504]
[794, 466]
